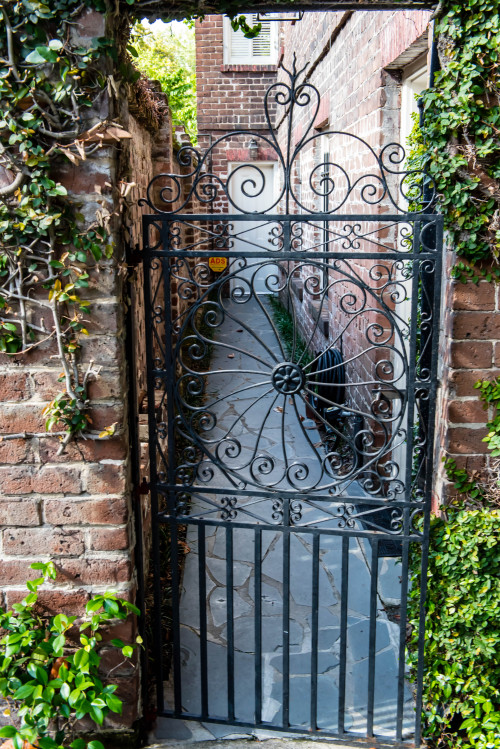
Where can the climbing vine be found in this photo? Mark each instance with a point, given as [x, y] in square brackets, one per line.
[459, 141]
[460, 134]
[49, 84]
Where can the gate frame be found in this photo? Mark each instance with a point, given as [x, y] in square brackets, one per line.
[163, 219]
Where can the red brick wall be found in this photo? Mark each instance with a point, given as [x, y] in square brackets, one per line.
[230, 97]
[77, 508]
[472, 353]
[354, 60]
[345, 54]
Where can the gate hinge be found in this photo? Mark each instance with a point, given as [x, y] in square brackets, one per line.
[134, 258]
[141, 489]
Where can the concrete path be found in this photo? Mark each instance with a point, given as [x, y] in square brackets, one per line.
[242, 417]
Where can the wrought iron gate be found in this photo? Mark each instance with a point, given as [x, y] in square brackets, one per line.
[291, 392]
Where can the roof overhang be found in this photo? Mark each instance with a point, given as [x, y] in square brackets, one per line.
[181, 8]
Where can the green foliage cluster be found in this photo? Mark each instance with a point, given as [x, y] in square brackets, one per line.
[462, 671]
[169, 57]
[489, 392]
[460, 145]
[288, 331]
[47, 250]
[50, 681]
[460, 136]
[463, 481]
[45, 85]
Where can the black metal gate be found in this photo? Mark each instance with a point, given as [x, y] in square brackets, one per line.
[291, 389]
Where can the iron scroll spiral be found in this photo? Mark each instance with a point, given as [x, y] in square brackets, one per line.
[387, 182]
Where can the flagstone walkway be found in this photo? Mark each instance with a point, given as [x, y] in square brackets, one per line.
[274, 590]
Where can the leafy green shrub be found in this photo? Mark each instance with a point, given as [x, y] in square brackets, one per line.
[287, 329]
[48, 683]
[462, 641]
[460, 132]
[490, 395]
[169, 57]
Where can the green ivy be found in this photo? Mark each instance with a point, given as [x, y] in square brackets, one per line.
[462, 480]
[50, 668]
[460, 144]
[46, 250]
[490, 395]
[460, 135]
[462, 674]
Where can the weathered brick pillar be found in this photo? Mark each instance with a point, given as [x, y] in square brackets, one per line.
[74, 507]
[469, 351]
[78, 508]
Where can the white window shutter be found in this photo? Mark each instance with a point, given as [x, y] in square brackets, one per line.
[258, 50]
[261, 45]
[241, 47]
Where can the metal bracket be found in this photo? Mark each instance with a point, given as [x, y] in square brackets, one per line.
[142, 489]
[135, 257]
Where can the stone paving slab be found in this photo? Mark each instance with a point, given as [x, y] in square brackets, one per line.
[247, 421]
[244, 742]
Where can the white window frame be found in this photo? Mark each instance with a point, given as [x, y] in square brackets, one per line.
[415, 80]
[250, 58]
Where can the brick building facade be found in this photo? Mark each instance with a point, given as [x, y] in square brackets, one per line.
[230, 96]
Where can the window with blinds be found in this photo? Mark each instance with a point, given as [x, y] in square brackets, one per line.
[262, 50]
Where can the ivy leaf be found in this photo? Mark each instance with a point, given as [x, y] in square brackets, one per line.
[25, 691]
[96, 714]
[114, 703]
[35, 58]
[8, 732]
[42, 55]
[59, 641]
[78, 744]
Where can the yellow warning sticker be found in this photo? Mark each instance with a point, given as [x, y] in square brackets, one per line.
[217, 264]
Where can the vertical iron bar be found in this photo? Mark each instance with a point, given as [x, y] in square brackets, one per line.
[203, 620]
[174, 553]
[431, 414]
[372, 638]
[169, 368]
[135, 469]
[169, 365]
[402, 640]
[410, 446]
[435, 65]
[157, 592]
[287, 234]
[258, 626]
[314, 632]
[343, 631]
[230, 623]
[286, 615]
[421, 630]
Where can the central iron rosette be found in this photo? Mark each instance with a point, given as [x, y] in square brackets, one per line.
[288, 378]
